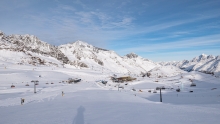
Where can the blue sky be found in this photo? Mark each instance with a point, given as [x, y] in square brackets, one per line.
[160, 30]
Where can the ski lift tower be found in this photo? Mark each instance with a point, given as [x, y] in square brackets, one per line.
[160, 95]
[35, 83]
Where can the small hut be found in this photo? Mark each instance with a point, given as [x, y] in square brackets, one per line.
[178, 90]
[193, 84]
[122, 87]
[133, 89]
[104, 82]
[77, 80]
[12, 86]
[123, 79]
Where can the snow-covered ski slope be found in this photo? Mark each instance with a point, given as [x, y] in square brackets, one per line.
[91, 102]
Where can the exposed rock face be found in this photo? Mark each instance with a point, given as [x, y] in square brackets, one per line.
[24, 43]
[132, 55]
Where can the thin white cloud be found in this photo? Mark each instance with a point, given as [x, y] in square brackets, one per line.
[66, 7]
[12, 5]
[126, 21]
[166, 25]
[180, 55]
[187, 43]
[80, 3]
[104, 21]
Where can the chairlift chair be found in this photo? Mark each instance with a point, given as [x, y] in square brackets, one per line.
[157, 88]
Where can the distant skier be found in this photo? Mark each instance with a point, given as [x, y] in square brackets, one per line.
[62, 93]
[22, 101]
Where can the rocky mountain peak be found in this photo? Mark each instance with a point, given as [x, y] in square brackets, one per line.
[132, 55]
[1, 33]
[202, 57]
[217, 57]
[82, 44]
[79, 42]
[210, 57]
[24, 43]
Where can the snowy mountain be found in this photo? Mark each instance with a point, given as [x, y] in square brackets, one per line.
[139, 62]
[85, 55]
[30, 45]
[204, 63]
[164, 71]
[28, 49]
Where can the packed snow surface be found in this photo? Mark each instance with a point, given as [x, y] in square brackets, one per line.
[91, 102]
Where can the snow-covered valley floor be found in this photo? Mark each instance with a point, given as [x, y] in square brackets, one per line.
[91, 102]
